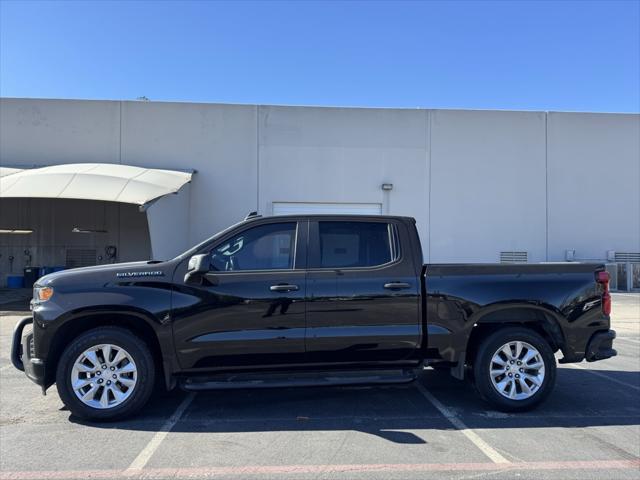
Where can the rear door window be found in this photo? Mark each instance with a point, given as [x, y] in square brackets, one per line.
[355, 244]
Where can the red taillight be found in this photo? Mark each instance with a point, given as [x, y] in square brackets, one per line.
[603, 279]
[606, 302]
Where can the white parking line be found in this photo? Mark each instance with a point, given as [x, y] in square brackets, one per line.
[147, 452]
[483, 446]
[603, 375]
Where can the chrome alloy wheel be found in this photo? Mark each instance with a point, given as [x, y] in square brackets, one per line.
[517, 370]
[104, 376]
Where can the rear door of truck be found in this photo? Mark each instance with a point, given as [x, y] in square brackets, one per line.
[362, 291]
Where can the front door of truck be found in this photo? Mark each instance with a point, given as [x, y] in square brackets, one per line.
[249, 309]
[363, 293]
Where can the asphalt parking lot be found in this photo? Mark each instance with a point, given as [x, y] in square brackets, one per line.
[434, 428]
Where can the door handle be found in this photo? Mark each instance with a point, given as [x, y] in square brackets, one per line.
[283, 288]
[397, 285]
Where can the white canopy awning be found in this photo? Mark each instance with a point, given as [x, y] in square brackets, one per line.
[92, 181]
[8, 171]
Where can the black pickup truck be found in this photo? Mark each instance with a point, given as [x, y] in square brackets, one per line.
[303, 301]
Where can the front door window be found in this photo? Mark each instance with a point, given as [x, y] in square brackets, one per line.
[265, 247]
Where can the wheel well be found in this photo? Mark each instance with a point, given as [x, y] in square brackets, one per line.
[536, 320]
[79, 325]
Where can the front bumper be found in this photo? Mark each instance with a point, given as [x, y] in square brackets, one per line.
[601, 346]
[23, 352]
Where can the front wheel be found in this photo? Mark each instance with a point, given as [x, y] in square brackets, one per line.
[105, 374]
[515, 369]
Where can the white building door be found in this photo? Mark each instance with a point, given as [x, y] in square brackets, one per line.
[301, 208]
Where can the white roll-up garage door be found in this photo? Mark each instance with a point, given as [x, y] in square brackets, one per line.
[299, 208]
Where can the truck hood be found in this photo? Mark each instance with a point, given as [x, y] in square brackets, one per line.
[110, 273]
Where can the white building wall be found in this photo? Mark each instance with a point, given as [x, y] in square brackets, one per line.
[218, 141]
[169, 228]
[344, 155]
[50, 132]
[487, 185]
[594, 184]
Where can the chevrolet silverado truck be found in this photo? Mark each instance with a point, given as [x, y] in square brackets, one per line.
[305, 301]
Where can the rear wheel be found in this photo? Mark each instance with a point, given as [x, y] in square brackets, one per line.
[105, 374]
[515, 369]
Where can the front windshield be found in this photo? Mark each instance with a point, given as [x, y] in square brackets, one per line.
[194, 250]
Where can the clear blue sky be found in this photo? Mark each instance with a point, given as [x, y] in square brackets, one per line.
[578, 56]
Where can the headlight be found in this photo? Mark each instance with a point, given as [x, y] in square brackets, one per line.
[42, 294]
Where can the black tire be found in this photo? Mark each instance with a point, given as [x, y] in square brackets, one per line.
[483, 361]
[141, 355]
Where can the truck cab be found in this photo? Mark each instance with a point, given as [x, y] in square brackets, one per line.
[318, 291]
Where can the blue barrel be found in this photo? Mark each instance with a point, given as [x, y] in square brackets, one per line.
[15, 281]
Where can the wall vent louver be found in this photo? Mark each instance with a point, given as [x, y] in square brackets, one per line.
[513, 257]
[633, 257]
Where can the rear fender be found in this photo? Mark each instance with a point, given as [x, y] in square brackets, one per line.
[544, 316]
[458, 346]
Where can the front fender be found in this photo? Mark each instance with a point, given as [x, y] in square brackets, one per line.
[52, 341]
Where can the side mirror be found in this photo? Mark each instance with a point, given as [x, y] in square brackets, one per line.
[198, 264]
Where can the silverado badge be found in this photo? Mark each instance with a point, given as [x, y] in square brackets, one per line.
[153, 273]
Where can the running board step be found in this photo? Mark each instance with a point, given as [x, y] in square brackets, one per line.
[298, 379]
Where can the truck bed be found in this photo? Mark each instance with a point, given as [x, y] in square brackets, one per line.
[461, 299]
